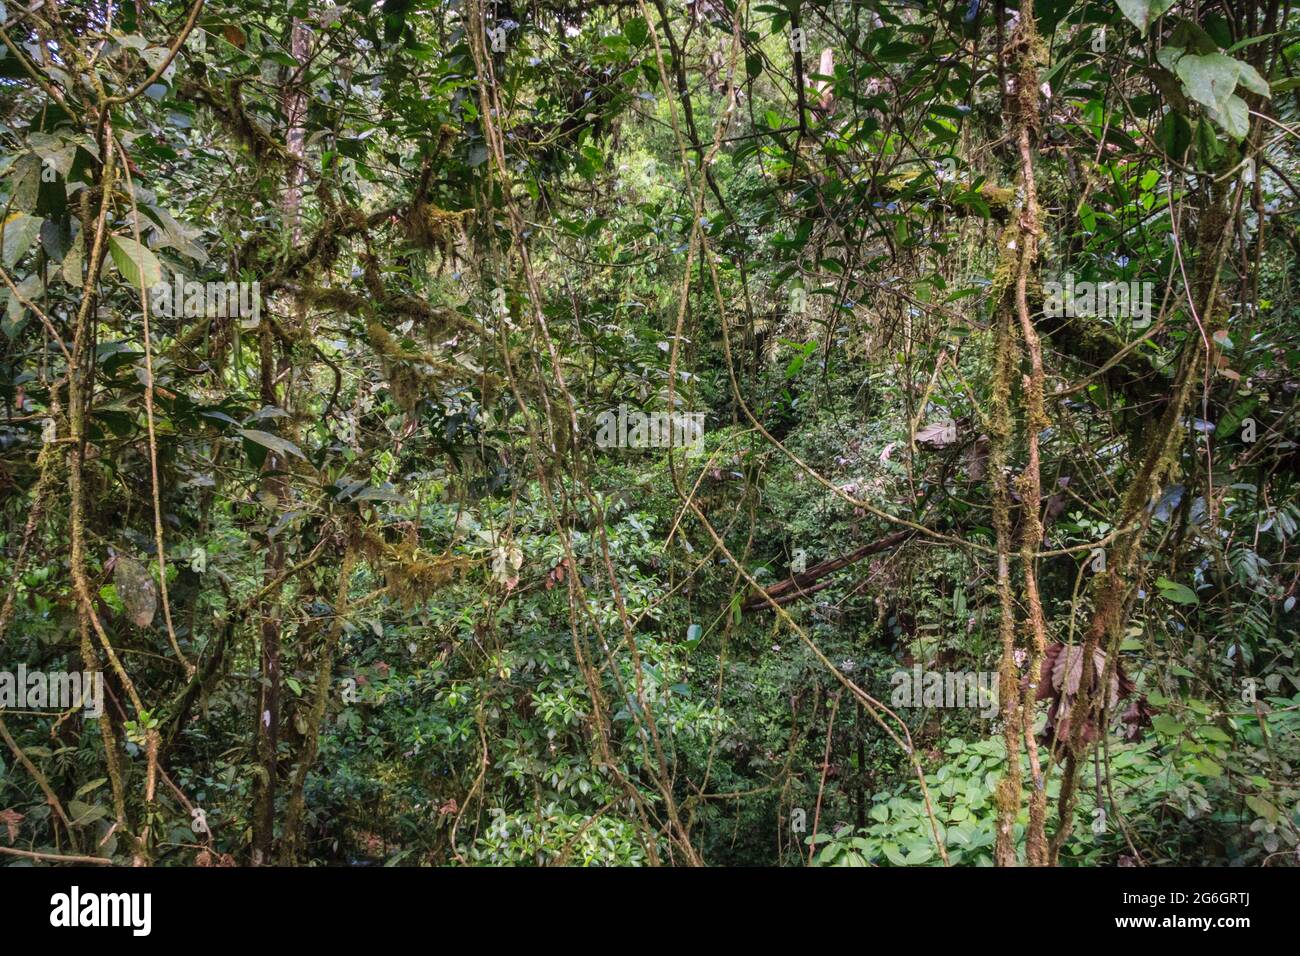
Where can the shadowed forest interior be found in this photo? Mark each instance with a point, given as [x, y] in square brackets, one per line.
[649, 432]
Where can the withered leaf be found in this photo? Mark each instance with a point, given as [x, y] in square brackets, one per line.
[938, 435]
[11, 818]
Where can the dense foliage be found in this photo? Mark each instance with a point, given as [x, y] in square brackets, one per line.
[478, 433]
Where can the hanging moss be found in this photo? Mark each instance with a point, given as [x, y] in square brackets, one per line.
[412, 574]
[412, 375]
[432, 227]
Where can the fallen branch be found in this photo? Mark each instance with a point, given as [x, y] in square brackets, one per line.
[801, 585]
[55, 857]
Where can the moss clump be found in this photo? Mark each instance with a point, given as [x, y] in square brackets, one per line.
[1008, 265]
[998, 197]
[413, 574]
[431, 227]
[414, 374]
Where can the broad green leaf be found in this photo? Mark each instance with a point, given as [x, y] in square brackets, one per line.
[56, 237]
[1234, 117]
[1251, 80]
[93, 785]
[1209, 79]
[137, 264]
[84, 813]
[71, 268]
[636, 31]
[1230, 422]
[1263, 808]
[920, 854]
[1168, 57]
[30, 288]
[1174, 135]
[1142, 13]
[1178, 593]
[273, 442]
[20, 231]
[175, 235]
[1166, 726]
[1208, 767]
[1209, 149]
[895, 857]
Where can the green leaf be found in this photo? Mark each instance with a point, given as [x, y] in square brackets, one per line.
[828, 855]
[919, 855]
[273, 442]
[1088, 216]
[56, 237]
[1249, 77]
[1166, 726]
[1230, 422]
[1168, 56]
[109, 595]
[1209, 149]
[1234, 117]
[895, 857]
[93, 785]
[1209, 79]
[636, 31]
[1142, 13]
[83, 813]
[1178, 593]
[137, 264]
[20, 231]
[71, 268]
[1174, 135]
[176, 235]
[30, 289]
[1208, 767]
[1263, 808]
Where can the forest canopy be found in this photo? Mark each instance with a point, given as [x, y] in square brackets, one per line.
[649, 432]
